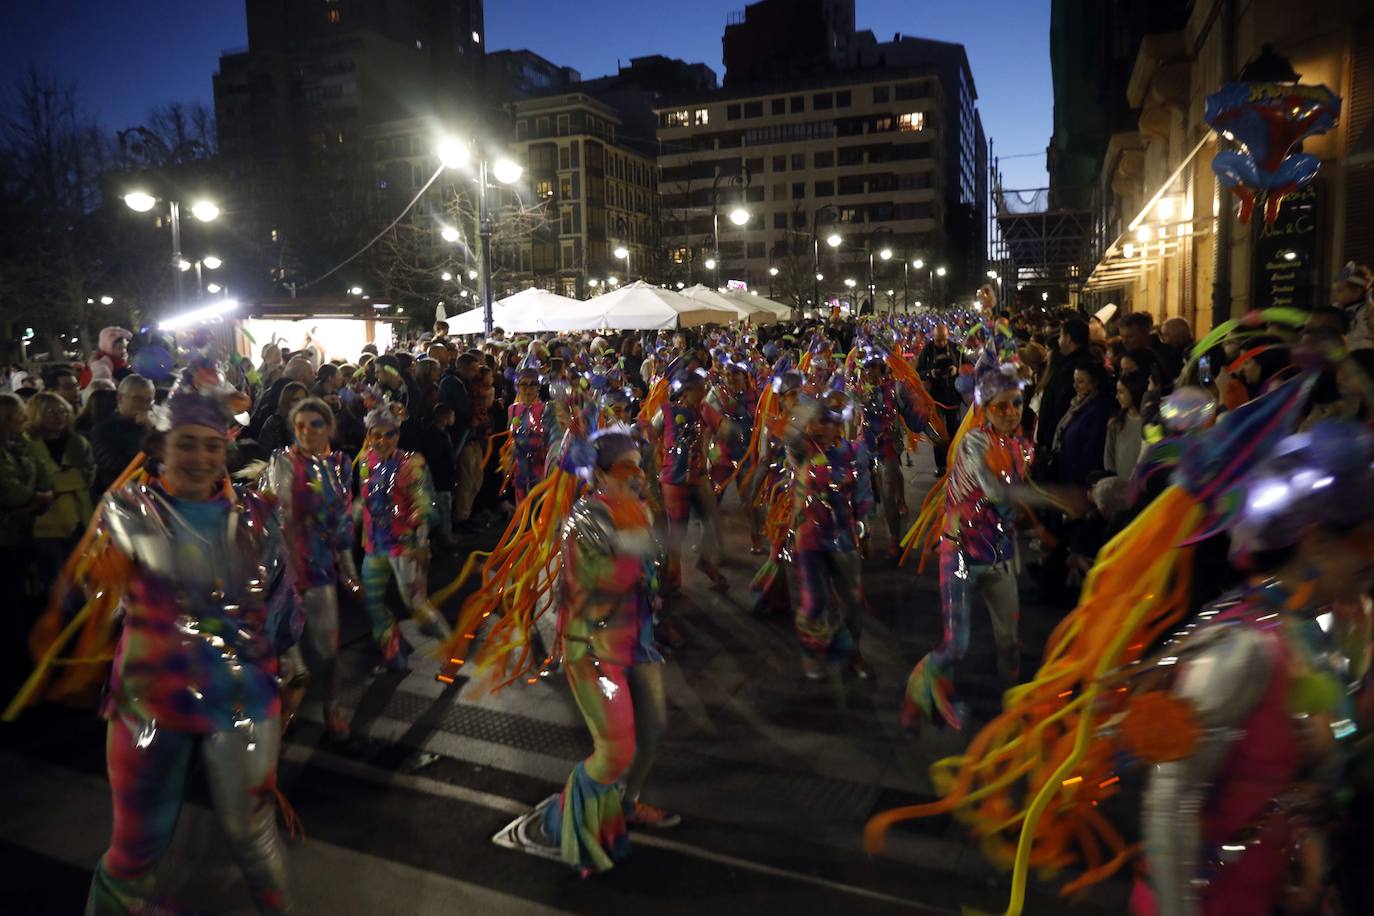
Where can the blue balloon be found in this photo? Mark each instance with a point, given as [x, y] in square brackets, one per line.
[153, 363]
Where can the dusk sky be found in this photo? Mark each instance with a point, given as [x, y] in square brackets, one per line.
[128, 55]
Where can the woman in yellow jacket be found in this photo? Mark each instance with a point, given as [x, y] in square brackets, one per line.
[65, 455]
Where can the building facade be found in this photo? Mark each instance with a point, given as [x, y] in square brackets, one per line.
[599, 193]
[858, 156]
[1170, 242]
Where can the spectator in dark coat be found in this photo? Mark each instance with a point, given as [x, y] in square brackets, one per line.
[118, 440]
[442, 460]
[1073, 354]
[1080, 436]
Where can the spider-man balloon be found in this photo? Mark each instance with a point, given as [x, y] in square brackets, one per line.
[1265, 121]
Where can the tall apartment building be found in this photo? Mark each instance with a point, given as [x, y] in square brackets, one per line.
[857, 154]
[820, 122]
[297, 109]
[600, 193]
[589, 152]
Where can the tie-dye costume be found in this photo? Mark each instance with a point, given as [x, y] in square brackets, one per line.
[533, 427]
[831, 493]
[886, 406]
[398, 502]
[684, 481]
[207, 606]
[314, 499]
[608, 584]
[977, 554]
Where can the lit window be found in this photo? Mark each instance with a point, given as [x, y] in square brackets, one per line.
[334, 16]
[476, 39]
[699, 117]
[914, 121]
[543, 188]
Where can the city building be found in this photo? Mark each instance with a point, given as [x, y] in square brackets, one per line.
[590, 158]
[601, 195]
[1169, 241]
[822, 130]
[513, 75]
[297, 111]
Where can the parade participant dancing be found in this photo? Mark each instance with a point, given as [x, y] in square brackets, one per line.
[313, 489]
[205, 597]
[986, 482]
[398, 504]
[533, 427]
[1264, 692]
[887, 404]
[685, 425]
[737, 399]
[831, 494]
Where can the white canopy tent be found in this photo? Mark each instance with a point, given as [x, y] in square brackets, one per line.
[742, 306]
[642, 307]
[781, 311]
[522, 313]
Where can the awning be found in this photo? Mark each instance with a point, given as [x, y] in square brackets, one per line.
[1157, 232]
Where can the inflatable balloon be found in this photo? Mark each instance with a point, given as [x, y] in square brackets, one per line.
[1265, 121]
[153, 363]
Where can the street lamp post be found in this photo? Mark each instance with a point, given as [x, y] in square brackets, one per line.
[738, 215]
[886, 254]
[455, 154]
[833, 240]
[203, 210]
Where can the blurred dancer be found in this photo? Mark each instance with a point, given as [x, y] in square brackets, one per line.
[397, 506]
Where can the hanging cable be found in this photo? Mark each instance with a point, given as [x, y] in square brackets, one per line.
[376, 238]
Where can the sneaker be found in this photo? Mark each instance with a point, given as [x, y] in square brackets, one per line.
[812, 668]
[860, 667]
[642, 815]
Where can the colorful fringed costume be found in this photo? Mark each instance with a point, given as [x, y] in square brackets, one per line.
[685, 425]
[977, 552]
[832, 492]
[533, 426]
[888, 403]
[314, 499]
[398, 503]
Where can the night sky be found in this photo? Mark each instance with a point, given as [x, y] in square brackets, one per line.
[128, 55]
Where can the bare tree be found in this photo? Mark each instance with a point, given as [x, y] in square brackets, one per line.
[412, 258]
[49, 243]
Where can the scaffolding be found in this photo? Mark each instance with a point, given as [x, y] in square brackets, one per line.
[1046, 235]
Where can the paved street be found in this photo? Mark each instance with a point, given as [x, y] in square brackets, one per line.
[774, 777]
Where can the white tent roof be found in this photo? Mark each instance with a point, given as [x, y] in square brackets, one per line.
[641, 306]
[523, 313]
[781, 310]
[742, 306]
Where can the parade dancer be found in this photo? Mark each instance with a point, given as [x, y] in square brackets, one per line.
[887, 404]
[1234, 820]
[987, 480]
[398, 504]
[685, 424]
[205, 599]
[832, 492]
[737, 399]
[533, 427]
[607, 589]
[312, 486]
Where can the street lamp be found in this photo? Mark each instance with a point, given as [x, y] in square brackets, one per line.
[211, 262]
[206, 211]
[833, 240]
[213, 288]
[623, 254]
[613, 281]
[739, 215]
[456, 154]
[472, 275]
[107, 300]
[355, 290]
[446, 276]
[449, 234]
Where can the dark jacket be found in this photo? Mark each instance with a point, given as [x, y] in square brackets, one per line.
[275, 433]
[116, 441]
[266, 407]
[437, 448]
[453, 391]
[932, 366]
[1058, 396]
[1084, 440]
